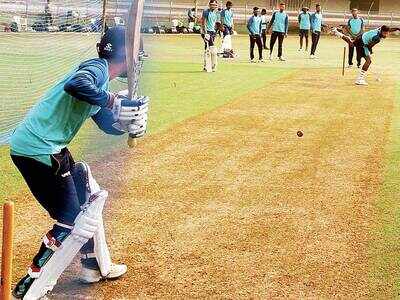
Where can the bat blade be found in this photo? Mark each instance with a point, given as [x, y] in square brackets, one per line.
[132, 43]
[132, 48]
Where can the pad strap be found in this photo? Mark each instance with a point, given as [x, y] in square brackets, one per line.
[88, 255]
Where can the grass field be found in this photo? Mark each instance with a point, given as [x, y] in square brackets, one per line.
[222, 198]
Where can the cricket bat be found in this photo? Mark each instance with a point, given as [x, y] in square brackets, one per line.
[132, 47]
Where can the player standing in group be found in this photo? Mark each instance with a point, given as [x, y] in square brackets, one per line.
[355, 27]
[280, 26]
[316, 28]
[304, 27]
[264, 24]
[209, 22]
[65, 189]
[191, 19]
[254, 28]
[227, 23]
[364, 44]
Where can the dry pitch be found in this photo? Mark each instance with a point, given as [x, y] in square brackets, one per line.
[230, 203]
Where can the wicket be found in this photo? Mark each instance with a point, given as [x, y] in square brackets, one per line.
[7, 250]
[344, 60]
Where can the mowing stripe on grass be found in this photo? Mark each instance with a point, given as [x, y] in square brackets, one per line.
[384, 250]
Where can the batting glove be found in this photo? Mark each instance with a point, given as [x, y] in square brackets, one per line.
[131, 115]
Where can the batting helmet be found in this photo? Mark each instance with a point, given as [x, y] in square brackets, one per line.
[112, 44]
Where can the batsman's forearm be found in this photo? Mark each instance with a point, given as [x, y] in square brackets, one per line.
[83, 89]
[104, 120]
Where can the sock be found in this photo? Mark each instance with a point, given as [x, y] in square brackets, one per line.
[362, 75]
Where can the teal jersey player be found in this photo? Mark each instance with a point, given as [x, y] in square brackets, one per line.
[52, 124]
[65, 189]
[211, 18]
[316, 22]
[316, 28]
[372, 37]
[364, 44]
[304, 21]
[356, 26]
[280, 26]
[254, 25]
[280, 22]
[227, 17]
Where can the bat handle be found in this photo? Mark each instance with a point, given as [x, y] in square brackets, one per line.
[132, 142]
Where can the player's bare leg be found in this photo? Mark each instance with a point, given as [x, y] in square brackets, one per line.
[363, 72]
[344, 37]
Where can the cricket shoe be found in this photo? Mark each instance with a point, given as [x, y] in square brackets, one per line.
[282, 58]
[91, 276]
[361, 81]
[312, 56]
[252, 61]
[349, 66]
[261, 60]
[300, 50]
[271, 57]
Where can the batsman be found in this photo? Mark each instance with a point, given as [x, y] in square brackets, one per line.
[65, 189]
[210, 21]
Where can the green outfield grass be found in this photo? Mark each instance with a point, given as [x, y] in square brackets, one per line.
[386, 262]
[179, 90]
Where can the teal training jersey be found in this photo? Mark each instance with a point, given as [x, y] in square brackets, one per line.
[370, 39]
[316, 22]
[227, 17]
[355, 25]
[254, 25]
[304, 21]
[55, 120]
[280, 22]
[210, 17]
